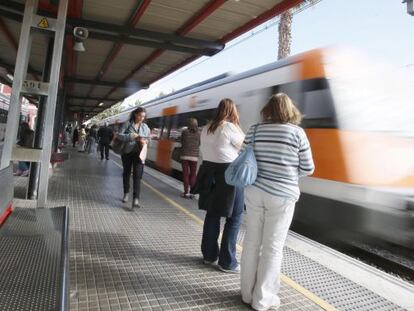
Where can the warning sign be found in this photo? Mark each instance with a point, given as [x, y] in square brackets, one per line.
[44, 23]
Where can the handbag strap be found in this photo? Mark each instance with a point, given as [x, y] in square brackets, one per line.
[254, 135]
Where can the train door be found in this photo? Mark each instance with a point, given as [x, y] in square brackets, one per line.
[164, 148]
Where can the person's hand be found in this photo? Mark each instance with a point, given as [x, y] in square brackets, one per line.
[143, 141]
[134, 136]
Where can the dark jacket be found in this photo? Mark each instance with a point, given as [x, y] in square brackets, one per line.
[215, 195]
[105, 135]
[26, 138]
[190, 142]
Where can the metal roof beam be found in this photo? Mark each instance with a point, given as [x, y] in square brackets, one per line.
[119, 30]
[151, 44]
[94, 82]
[94, 98]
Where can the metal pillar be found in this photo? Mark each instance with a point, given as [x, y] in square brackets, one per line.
[51, 101]
[22, 60]
[20, 86]
[40, 121]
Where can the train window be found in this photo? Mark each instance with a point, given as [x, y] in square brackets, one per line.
[175, 131]
[165, 132]
[155, 125]
[313, 98]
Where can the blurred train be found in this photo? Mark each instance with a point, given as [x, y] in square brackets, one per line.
[28, 114]
[359, 117]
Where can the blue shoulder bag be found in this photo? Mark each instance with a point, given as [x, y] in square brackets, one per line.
[242, 172]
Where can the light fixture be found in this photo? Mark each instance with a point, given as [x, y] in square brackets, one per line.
[80, 34]
[101, 104]
[9, 76]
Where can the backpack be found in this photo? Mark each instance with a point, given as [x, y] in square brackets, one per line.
[242, 171]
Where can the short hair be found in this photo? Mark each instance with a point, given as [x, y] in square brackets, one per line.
[281, 109]
[136, 111]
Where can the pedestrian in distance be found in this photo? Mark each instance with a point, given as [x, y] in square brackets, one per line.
[82, 139]
[75, 136]
[283, 155]
[105, 135]
[190, 146]
[220, 142]
[26, 137]
[136, 135]
[92, 137]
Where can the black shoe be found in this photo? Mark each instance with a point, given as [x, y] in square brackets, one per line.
[107, 158]
[135, 203]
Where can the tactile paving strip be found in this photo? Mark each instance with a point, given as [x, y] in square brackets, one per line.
[31, 282]
[148, 259]
[323, 282]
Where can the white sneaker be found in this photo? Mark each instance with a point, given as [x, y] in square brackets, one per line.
[210, 263]
[235, 270]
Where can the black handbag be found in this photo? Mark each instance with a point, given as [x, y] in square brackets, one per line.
[176, 154]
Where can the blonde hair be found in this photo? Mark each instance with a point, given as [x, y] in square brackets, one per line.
[192, 124]
[281, 109]
[226, 111]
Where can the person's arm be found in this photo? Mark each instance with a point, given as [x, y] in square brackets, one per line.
[236, 135]
[306, 165]
[125, 137]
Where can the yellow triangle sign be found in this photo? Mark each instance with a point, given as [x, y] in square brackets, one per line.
[43, 23]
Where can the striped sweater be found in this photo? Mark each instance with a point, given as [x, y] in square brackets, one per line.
[283, 154]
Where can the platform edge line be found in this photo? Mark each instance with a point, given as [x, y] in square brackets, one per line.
[288, 281]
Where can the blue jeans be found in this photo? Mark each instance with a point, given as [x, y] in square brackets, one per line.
[226, 254]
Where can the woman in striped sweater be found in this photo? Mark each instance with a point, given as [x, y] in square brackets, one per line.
[283, 155]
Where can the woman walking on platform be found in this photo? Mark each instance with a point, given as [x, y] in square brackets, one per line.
[136, 134]
[221, 141]
[283, 155]
[190, 142]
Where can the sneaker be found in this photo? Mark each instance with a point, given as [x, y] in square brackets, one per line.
[125, 198]
[210, 263]
[235, 270]
[135, 203]
[18, 173]
[273, 308]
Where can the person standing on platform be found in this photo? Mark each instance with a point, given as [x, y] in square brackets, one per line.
[221, 140]
[93, 135]
[190, 144]
[136, 135]
[82, 139]
[75, 136]
[26, 137]
[105, 135]
[283, 155]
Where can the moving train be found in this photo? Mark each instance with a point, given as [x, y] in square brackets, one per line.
[358, 115]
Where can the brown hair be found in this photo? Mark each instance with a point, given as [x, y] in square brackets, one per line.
[226, 111]
[281, 109]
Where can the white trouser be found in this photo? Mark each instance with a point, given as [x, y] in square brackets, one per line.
[268, 220]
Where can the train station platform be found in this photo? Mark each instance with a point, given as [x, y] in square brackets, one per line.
[149, 258]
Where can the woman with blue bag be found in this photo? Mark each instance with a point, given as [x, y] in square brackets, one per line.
[221, 140]
[283, 155]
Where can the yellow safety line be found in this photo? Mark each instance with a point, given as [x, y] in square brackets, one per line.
[288, 281]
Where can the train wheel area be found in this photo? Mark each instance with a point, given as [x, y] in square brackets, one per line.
[149, 258]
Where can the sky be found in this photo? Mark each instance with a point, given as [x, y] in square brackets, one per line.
[381, 28]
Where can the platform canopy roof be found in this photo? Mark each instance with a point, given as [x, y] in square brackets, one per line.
[132, 43]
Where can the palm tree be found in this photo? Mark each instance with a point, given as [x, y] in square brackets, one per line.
[285, 29]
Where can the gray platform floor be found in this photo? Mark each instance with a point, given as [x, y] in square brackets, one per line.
[148, 259]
